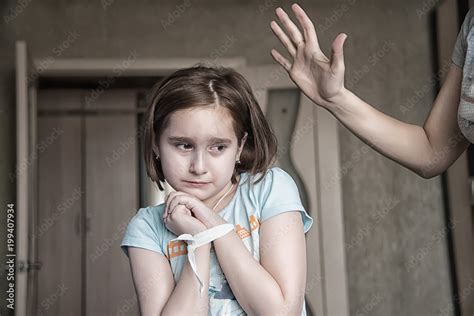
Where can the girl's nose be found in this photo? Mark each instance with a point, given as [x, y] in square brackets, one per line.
[198, 164]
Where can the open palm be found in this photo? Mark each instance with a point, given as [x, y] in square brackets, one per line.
[321, 79]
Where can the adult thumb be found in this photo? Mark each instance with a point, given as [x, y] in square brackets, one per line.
[337, 58]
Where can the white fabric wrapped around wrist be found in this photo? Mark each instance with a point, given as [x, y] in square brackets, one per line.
[200, 239]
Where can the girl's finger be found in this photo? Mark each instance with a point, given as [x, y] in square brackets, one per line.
[169, 198]
[165, 212]
[309, 31]
[281, 60]
[284, 39]
[180, 208]
[290, 27]
[171, 211]
[179, 198]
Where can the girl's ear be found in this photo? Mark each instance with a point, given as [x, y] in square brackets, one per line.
[242, 143]
[244, 139]
[156, 151]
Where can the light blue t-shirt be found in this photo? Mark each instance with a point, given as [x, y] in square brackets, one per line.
[250, 206]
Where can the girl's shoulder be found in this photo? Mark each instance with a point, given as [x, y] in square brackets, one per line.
[145, 230]
[151, 212]
[268, 174]
[277, 193]
[273, 185]
[274, 176]
[149, 218]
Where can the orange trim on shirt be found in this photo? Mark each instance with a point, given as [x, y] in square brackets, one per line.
[254, 223]
[177, 248]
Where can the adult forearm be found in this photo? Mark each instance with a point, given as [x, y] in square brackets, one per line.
[254, 288]
[185, 299]
[404, 143]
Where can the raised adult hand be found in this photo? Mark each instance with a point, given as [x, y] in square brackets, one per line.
[321, 79]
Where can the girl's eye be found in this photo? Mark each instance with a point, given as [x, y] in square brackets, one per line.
[221, 147]
[177, 145]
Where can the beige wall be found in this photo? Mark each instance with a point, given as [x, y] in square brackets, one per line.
[391, 216]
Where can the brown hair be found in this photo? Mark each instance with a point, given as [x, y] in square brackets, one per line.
[202, 85]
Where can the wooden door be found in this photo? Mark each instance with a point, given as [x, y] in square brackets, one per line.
[111, 200]
[58, 231]
[88, 191]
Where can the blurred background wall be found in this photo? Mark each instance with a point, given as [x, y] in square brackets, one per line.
[390, 214]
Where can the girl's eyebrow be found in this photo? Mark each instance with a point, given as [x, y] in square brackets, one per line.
[211, 140]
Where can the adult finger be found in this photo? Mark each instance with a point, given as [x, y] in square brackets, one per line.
[284, 39]
[337, 57]
[309, 32]
[291, 28]
[281, 60]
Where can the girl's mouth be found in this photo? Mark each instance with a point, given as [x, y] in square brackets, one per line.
[196, 184]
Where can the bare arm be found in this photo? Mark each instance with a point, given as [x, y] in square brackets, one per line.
[277, 285]
[427, 150]
[186, 299]
[155, 286]
[152, 278]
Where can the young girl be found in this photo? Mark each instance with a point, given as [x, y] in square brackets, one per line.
[235, 225]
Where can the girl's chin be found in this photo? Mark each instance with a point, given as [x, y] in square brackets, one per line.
[201, 194]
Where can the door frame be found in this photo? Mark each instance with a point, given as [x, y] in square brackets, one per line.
[26, 179]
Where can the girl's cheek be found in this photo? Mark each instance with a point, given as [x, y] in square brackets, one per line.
[174, 166]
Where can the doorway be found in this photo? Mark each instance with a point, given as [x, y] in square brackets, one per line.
[88, 188]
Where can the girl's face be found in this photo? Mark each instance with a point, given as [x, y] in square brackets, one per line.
[200, 145]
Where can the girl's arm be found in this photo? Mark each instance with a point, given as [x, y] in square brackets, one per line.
[155, 286]
[277, 285]
[427, 150]
[186, 299]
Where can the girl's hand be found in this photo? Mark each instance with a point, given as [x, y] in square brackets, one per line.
[184, 213]
[321, 79]
[178, 218]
